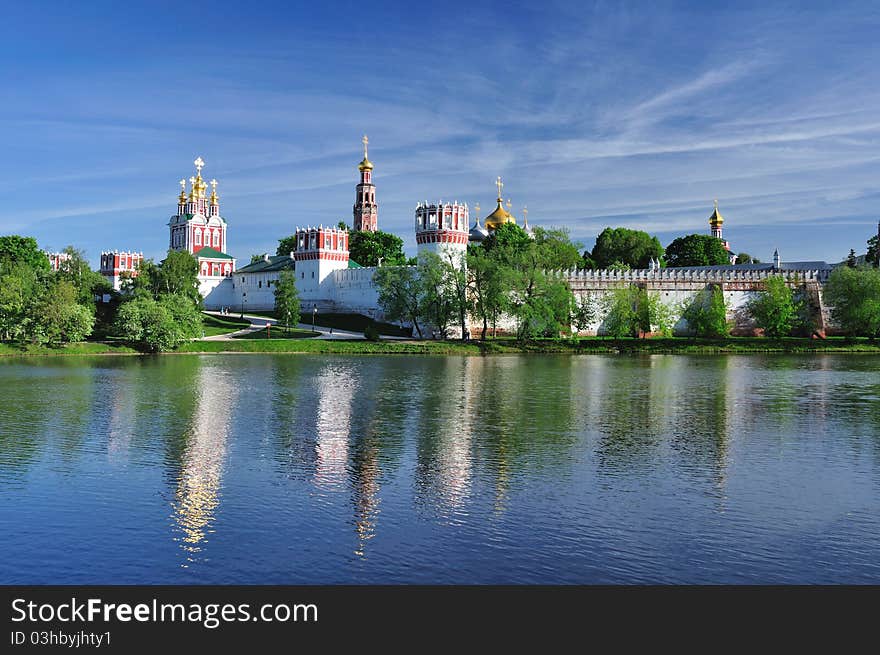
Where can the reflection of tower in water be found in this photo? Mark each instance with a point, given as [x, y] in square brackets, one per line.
[336, 389]
[198, 487]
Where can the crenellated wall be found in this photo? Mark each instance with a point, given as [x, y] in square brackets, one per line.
[678, 287]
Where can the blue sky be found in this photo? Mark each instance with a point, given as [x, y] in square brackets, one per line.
[595, 114]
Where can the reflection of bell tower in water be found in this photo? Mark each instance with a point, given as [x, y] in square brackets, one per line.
[198, 486]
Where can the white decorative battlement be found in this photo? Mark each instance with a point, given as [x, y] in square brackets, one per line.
[696, 275]
[320, 243]
[441, 222]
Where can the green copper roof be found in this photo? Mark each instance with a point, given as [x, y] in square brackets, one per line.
[210, 253]
[353, 264]
[275, 263]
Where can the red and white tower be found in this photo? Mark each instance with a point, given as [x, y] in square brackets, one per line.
[199, 229]
[442, 228]
[116, 265]
[318, 251]
[366, 211]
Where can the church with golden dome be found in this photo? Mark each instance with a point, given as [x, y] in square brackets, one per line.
[499, 216]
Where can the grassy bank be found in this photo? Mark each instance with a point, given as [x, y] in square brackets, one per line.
[732, 345]
[215, 325]
[330, 346]
[82, 348]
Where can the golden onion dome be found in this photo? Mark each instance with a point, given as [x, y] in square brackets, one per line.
[365, 165]
[499, 217]
[716, 218]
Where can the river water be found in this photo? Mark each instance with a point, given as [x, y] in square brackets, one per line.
[295, 469]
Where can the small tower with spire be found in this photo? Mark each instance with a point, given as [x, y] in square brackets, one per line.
[366, 210]
[715, 223]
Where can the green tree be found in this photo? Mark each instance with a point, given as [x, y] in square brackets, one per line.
[22, 250]
[506, 241]
[401, 294]
[286, 245]
[368, 248]
[76, 270]
[873, 255]
[455, 286]
[20, 285]
[486, 280]
[625, 248]
[775, 308]
[583, 312]
[851, 261]
[854, 297]
[696, 250]
[438, 297]
[631, 311]
[158, 325]
[746, 258]
[706, 314]
[55, 317]
[178, 274]
[287, 302]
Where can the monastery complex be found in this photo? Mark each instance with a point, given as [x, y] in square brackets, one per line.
[330, 281]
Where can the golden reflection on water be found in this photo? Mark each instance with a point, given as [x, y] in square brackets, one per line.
[197, 495]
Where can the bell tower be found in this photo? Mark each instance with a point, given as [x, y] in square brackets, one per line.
[366, 211]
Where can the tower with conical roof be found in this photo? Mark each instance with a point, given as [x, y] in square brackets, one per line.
[366, 210]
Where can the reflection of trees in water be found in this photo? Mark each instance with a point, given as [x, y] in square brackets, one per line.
[523, 407]
[59, 403]
[658, 409]
[633, 403]
[378, 435]
[701, 428]
[446, 400]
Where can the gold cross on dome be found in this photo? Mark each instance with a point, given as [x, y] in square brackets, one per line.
[183, 185]
[500, 186]
[716, 203]
[508, 204]
[192, 180]
[477, 209]
[525, 212]
[214, 185]
[199, 164]
[365, 141]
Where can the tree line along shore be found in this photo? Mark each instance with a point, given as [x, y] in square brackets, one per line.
[74, 310]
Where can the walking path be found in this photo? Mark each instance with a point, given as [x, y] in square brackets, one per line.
[259, 323]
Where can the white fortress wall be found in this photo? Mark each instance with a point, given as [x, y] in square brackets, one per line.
[217, 292]
[677, 288]
[355, 292]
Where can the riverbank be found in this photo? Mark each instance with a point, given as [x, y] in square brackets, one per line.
[732, 345]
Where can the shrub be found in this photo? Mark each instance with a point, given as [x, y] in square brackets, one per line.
[371, 333]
